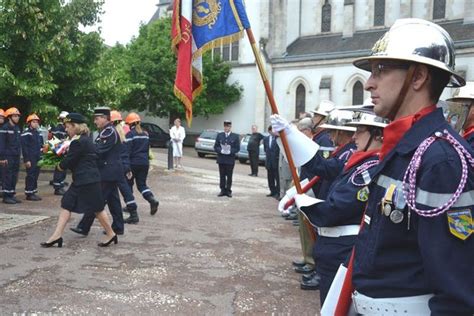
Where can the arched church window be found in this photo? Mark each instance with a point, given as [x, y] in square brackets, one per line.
[379, 13]
[300, 102]
[439, 9]
[358, 93]
[326, 17]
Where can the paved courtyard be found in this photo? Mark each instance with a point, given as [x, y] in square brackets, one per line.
[199, 255]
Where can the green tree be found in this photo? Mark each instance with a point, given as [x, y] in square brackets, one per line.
[152, 67]
[44, 57]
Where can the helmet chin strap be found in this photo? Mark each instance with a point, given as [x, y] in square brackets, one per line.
[403, 91]
[369, 142]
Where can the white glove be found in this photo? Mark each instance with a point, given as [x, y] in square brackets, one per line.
[279, 123]
[281, 204]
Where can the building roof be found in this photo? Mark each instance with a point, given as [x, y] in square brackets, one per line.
[332, 46]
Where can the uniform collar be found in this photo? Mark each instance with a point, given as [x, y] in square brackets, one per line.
[404, 135]
[360, 156]
[468, 132]
[320, 133]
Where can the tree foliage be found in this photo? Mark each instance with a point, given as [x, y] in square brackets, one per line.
[48, 64]
[44, 57]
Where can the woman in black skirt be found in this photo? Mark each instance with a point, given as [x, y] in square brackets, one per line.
[85, 193]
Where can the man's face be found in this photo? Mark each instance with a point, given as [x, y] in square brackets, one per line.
[254, 129]
[227, 128]
[384, 85]
[34, 124]
[15, 118]
[100, 121]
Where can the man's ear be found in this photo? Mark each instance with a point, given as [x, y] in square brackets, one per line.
[420, 77]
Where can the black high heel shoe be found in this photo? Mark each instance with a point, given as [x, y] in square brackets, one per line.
[106, 244]
[58, 241]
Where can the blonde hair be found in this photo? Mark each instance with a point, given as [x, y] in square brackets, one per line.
[79, 128]
[138, 128]
[120, 132]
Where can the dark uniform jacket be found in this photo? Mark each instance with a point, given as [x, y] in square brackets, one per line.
[108, 147]
[59, 131]
[328, 169]
[429, 256]
[272, 152]
[31, 145]
[344, 205]
[10, 144]
[254, 142]
[234, 142]
[323, 139]
[81, 159]
[138, 147]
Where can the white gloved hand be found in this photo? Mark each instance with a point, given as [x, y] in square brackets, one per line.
[281, 204]
[279, 123]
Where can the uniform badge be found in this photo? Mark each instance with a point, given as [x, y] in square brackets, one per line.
[363, 194]
[460, 223]
[326, 154]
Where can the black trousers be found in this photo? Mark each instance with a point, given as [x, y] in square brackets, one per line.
[10, 176]
[253, 157]
[31, 180]
[225, 174]
[112, 199]
[127, 193]
[139, 175]
[273, 178]
[58, 179]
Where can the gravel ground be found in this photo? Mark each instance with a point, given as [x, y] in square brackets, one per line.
[199, 255]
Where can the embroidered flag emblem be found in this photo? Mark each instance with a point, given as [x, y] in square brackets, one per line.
[460, 223]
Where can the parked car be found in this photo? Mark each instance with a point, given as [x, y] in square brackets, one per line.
[158, 136]
[205, 142]
[243, 154]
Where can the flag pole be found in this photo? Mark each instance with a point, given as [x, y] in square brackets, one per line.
[271, 99]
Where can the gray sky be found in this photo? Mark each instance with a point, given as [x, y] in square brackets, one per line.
[121, 19]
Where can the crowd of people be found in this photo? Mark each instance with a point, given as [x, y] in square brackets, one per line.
[114, 161]
[386, 200]
[385, 196]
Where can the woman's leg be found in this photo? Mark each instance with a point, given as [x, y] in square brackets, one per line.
[64, 217]
[105, 223]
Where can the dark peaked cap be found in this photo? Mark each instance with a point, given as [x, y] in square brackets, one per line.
[75, 118]
[103, 110]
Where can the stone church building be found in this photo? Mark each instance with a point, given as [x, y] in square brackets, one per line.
[309, 45]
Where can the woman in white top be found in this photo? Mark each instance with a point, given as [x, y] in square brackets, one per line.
[177, 135]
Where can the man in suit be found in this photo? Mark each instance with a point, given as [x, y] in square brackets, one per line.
[226, 146]
[272, 152]
[253, 147]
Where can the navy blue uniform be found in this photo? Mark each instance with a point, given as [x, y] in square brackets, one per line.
[422, 256]
[123, 185]
[138, 149]
[108, 148]
[226, 161]
[59, 176]
[272, 152]
[10, 150]
[31, 145]
[85, 193]
[344, 206]
[328, 169]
